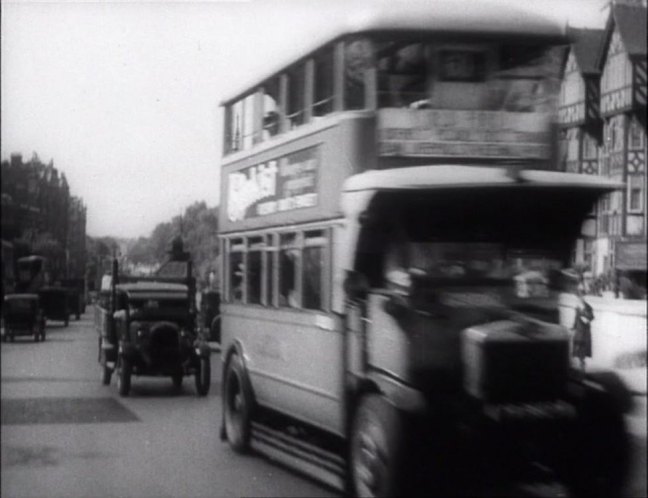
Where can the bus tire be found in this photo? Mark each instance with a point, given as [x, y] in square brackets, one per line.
[237, 406]
[376, 453]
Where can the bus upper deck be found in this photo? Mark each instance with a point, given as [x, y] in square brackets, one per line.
[401, 89]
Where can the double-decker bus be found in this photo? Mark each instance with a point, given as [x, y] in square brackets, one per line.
[392, 241]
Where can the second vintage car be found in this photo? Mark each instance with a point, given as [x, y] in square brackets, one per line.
[147, 328]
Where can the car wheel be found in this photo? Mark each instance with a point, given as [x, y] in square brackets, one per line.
[203, 377]
[375, 452]
[238, 406]
[124, 377]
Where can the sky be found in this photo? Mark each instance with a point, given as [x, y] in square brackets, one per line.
[124, 96]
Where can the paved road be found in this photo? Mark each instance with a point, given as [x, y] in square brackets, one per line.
[65, 435]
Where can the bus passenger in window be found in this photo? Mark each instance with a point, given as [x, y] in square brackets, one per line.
[237, 286]
[271, 123]
[287, 291]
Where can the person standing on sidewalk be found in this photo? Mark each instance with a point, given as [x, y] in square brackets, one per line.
[582, 340]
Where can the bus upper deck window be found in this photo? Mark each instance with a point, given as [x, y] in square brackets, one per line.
[323, 93]
[402, 73]
[271, 111]
[296, 111]
[358, 59]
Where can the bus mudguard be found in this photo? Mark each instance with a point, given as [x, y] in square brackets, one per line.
[402, 396]
[236, 348]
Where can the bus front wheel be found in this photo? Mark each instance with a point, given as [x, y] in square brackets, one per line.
[376, 448]
[237, 406]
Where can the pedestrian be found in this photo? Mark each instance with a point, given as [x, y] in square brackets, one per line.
[582, 340]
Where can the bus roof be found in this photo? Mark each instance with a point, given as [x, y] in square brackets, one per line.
[467, 17]
[452, 176]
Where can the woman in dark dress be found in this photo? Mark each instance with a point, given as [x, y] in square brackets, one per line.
[582, 342]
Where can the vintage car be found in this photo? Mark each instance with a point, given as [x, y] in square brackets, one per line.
[152, 333]
[76, 299]
[55, 304]
[22, 315]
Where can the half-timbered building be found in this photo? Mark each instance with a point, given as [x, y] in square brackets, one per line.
[621, 244]
[580, 122]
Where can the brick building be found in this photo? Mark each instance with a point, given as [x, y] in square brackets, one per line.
[37, 209]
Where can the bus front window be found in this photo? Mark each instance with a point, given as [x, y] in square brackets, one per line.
[467, 76]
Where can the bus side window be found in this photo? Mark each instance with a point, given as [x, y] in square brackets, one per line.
[288, 264]
[236, 270]
[313, 270]
[254, 270]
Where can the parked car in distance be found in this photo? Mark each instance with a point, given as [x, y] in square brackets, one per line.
[22, 316]
[55, 304]
[76, 295]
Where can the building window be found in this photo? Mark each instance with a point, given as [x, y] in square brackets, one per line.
[635, 193]
[313, 270]
[636, 135]
[288, 271]
[590, 147]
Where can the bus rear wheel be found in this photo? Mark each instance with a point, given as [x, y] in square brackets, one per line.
[376, 449]
[237, 406]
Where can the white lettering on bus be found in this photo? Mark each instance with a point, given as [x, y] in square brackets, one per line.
[245, 190]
